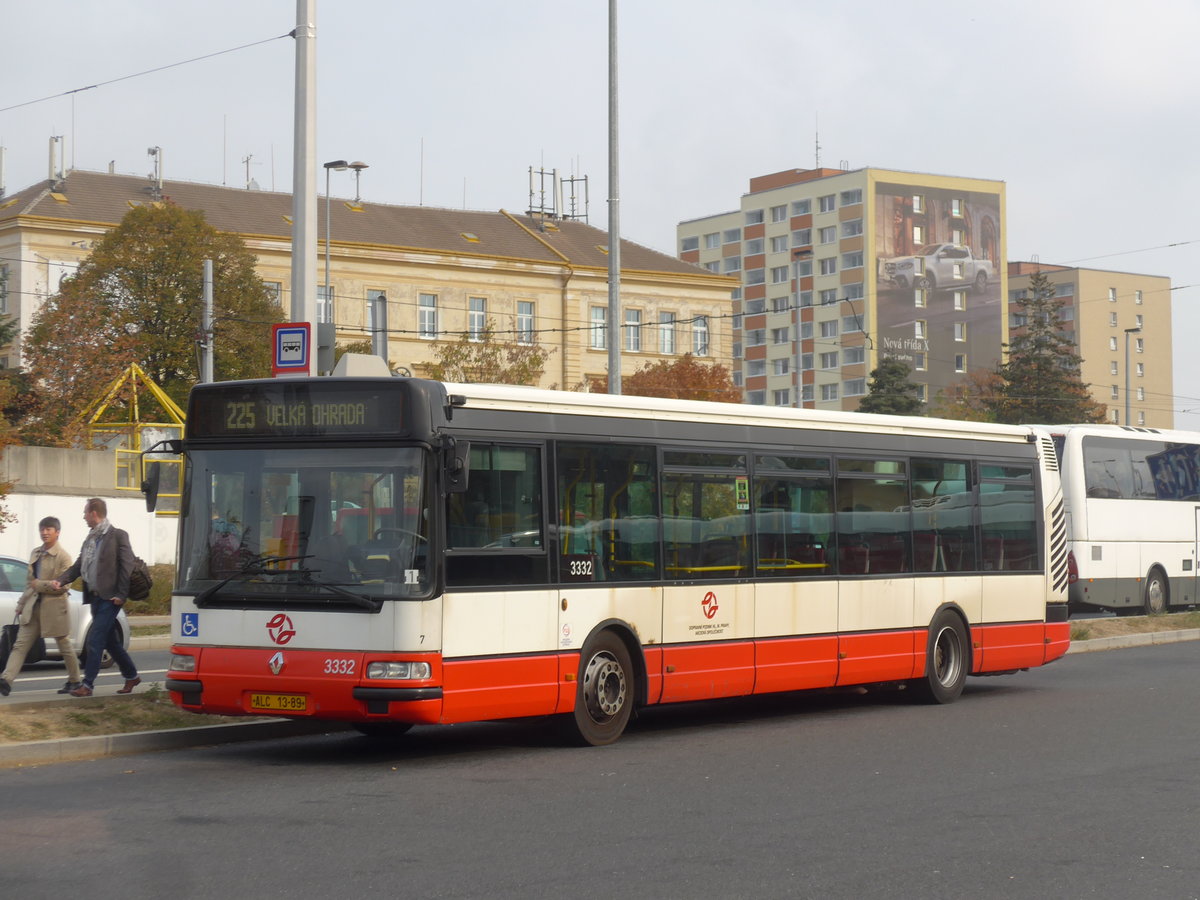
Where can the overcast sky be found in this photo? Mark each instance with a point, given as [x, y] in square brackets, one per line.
[1087, 110]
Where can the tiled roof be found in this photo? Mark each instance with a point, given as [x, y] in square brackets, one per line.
[99, 198]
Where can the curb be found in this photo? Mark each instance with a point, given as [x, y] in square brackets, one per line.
[1134, 640]
[35, 753]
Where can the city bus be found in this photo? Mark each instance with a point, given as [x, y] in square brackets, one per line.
[1133, 516]
[389, 552]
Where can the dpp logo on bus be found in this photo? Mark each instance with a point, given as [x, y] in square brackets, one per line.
[281, 629]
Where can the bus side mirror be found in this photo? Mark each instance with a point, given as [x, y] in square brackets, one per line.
[150, 483]
[457, 464]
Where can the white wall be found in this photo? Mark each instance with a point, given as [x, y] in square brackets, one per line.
[153, 537]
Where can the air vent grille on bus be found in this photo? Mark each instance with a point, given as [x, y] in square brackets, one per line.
[1058, 547]
[1050, 454]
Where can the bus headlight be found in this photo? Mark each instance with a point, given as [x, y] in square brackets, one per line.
[399, 671]
[182, 662]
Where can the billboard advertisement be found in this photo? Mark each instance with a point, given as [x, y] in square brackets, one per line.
[938, 280]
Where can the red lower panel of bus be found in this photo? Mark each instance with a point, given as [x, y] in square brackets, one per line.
[794, 664]
[1058, 640]
[500, 688]
[704, 671]
[1002, 648]
[880, 656]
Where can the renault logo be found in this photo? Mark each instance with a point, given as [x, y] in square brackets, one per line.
[275, 663]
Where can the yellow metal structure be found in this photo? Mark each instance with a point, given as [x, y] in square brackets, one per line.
[114, 420]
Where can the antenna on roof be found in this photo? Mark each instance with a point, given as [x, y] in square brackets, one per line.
[156, 178]
[817, 139]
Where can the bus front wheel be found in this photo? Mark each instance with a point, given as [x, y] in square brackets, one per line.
[1156, 598]
[604, 697]
[947, 659]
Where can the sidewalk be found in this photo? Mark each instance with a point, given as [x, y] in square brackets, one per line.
[43, 752]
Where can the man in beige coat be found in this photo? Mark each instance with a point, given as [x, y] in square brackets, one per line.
[43, 610]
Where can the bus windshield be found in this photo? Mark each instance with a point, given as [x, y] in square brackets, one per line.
[349, 527]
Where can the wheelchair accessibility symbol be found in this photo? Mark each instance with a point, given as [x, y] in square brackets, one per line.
[189, 625]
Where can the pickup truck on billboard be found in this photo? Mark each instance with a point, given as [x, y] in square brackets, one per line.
[937, 266]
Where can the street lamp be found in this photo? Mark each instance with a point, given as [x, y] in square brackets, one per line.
[340, 165]
[1128, 332]
[797, 256]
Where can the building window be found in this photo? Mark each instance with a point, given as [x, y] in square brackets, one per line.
[781, 304]
[829, 360]
[852, 355]
[852, 291]
[918, 235]
[829, 392]
[1112, 319]
[476, 317]
[599, 336]
[700, 336]
[737, 350]
[828, 203]
[919, 297]
[1139, 345]
[801, 207]
[852, 324]
[957, 236]
[783, 397]
[919, 329]
[755, 306]
[829, 329]
[826, 235]
[666, 333]
[956, 270]
[849, 198]
[960, 362]
[633, 330]
[828, 296]
[1112, 343]
[806, 393]
[1141, 394]
[1138, 320]
[733, 264]
[754, 217]
[714, 266]
[855, 387]
[806, 298]
[918, 362]
[806, 362]
[753, 247]
[1112, 295]
[829, 266]
[780, 366]
[427, 316]
[1116, 392]
[274, 289]
[802, 237]
[958, 207]
[731, 235]
[1115, 416]
[1141, 419]
[960, 299]
[806, 331]
[781, 335]
[525, 327]
[1140, 369]
[779, 243]
[779, 213]
[755, 368]
[689, 243]
[853, 228]
[325, 303]
[712, 241]
[960, 331]
[923, 392]
[756, 276]
[803, 268]
[756, 398]
[1137, 297]
[779, 274]
[756, 337]
[852, 260]
[1112, 367]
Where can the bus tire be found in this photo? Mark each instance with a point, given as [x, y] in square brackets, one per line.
[605, 695]
[382, 729]
[1156, 596]
[947, 659]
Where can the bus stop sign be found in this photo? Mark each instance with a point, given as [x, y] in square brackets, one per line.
[292, 346]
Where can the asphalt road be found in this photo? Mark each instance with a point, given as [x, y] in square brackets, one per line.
[1077, 780]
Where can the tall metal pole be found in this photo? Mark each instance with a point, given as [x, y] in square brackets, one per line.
[304, 182]
[206, 326]
[1128, 332]
[614, 217]
[796, 316]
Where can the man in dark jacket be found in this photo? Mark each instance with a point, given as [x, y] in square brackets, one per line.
[105, 563]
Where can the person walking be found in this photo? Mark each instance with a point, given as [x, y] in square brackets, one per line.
[105, 563]
[43, 608]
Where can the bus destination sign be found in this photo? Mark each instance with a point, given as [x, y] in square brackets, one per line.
[293, 410]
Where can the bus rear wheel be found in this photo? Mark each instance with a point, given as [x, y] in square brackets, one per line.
[947, 659]
[604, 697]
[1156, 597]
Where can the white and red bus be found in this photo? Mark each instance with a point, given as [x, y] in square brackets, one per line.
[1133, 516]
[395, 551]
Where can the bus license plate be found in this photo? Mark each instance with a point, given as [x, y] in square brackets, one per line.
[279, 702]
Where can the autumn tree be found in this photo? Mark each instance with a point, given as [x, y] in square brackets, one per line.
[1041, 381]
[970, 399]
[485, 359]
[890, 391]
[138, 298]
[686, 378]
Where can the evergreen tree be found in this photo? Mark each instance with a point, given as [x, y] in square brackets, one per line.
[138, 298]
[891, 392]
[1041, 382]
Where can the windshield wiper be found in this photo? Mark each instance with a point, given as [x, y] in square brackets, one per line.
[257, 566]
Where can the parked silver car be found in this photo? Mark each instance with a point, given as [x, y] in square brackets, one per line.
[13, 575]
